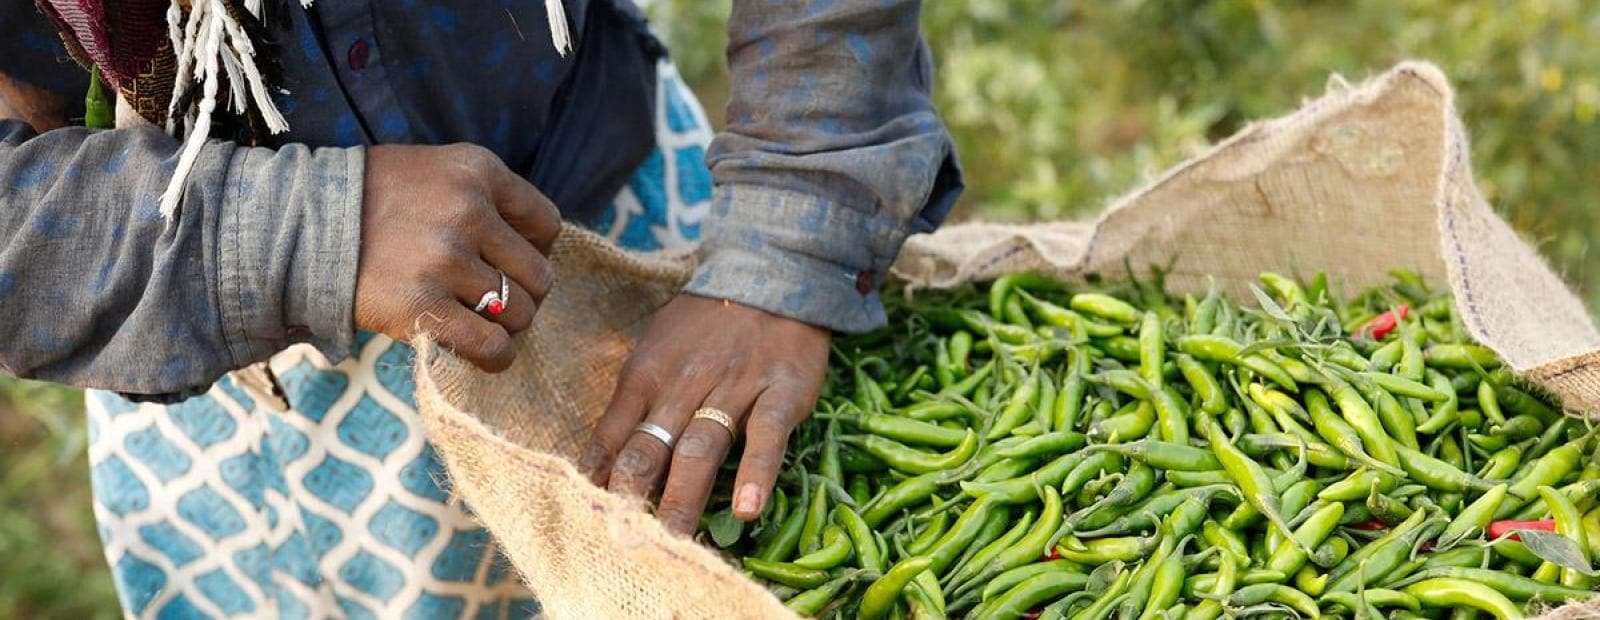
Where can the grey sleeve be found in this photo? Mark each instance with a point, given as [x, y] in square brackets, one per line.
[832, 155]
[98, 290]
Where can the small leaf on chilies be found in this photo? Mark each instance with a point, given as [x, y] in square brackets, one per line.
[1553, 547]
[725, 528]
[1270, 307]
[1101, 577]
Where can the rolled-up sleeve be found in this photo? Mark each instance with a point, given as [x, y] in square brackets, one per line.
[833, 154]
[99, 290]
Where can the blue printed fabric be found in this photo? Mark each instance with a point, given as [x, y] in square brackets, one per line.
[223, 506]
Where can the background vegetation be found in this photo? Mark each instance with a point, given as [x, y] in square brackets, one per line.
[1056, 107]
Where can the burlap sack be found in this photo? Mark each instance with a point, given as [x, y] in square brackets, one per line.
[1358, 182]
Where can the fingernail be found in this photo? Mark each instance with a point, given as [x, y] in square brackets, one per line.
[748, 501]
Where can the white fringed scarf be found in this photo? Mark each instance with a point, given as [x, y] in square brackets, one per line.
[210, 44]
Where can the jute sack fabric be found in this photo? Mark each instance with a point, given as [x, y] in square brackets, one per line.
[1363, 180]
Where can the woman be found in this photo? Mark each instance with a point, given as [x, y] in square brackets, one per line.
[303, 487]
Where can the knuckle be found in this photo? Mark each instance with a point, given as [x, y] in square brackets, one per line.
[696, 446]
[642, 372]
[542, 276]
[673, 515]
[634, 463]
[471, 158]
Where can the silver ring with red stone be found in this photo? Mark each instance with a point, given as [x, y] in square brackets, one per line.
[494, 302]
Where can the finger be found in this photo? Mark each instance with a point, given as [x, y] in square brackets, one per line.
[643, 469]
[629, 403]
[773, 416]
[639, 465]
[695, 460]
[483, 343]
[507, 251]
[527, 210]
[516, 313]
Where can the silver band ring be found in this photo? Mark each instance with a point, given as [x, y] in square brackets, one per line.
[715, 415]
[662, 435]
[494, 302]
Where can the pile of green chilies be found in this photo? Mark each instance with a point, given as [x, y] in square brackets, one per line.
[1038, 449]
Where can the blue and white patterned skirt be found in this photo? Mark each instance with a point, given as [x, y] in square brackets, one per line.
[329, 501]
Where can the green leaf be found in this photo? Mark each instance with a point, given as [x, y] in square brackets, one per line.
[1553, 547]
[1270, 307]
[1101, 577]
[725, 528]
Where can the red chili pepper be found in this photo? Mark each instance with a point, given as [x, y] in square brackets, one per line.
[1382, 324]
[1371, 525]
[1053, 554]
[1499, 528]
[1032, 614]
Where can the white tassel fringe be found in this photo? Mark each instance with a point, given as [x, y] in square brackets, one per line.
[210, 43]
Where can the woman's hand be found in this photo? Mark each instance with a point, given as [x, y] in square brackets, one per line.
[436, 224]
[763, 370]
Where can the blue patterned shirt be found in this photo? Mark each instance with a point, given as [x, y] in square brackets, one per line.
[833, 154]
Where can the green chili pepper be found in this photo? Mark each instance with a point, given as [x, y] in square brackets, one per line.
[880, 597]
[908, 492]
[990, 549]
[1376, 559]
[1164, 455]
[786, 573]
[811, 602]
[1105, 307]
[1152, 349]
[834, 551]
[1048, 444]
[1342, 435]
[868, 555]
[816, 518]
[970, 383]
[1224, 350]
[1031, 593]
[1513, 586]
[1448, 593]
[1205, 385]
[924, 598]
[1376, 597]
[1166, 586]
[1386, 357]
[1437, 474]
[1027, 548]
[1133, 424]
[960, 534]
[1290, 558]
[787, 539]
[1147, 513]
[1319, 454]
[1474, 519]
[1569, 523]
[1549, 469]
[1226, 540]
[1365, 421]
[1017, 407]
[1102, 550]
[911, 460]
[995, 527]
[1397, 422]
[1252, 479]
[1275, 593]
[1069, 400]
[1136, 483]
[906, 430]
[1461, 357]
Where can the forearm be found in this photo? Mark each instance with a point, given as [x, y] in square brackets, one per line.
[833, 154]
[100, 291]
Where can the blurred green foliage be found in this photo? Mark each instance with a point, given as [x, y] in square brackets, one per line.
[1056, 107]
[50, 560]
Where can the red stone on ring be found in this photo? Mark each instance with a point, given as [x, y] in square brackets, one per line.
[496, 307]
